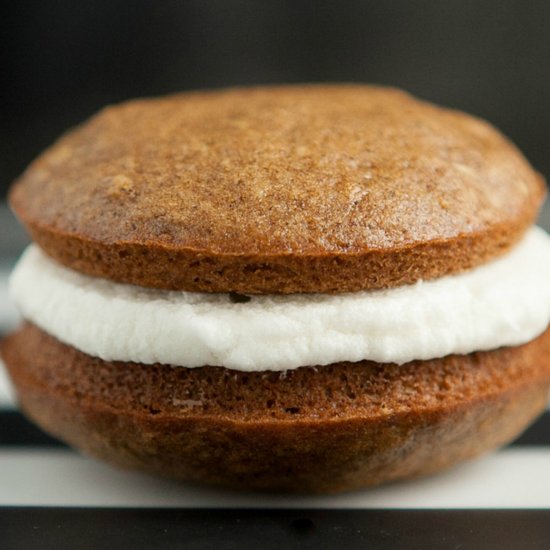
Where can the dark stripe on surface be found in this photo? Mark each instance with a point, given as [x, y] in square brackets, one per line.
[538, 434]
[16, 430]
[83, 528]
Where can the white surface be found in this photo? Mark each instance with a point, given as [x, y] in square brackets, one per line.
[503, 303]
[8, 312]
[7, 399]
[513, 478]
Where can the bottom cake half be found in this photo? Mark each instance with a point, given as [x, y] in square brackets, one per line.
[314, 429]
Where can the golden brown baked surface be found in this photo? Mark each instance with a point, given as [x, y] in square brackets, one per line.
[330, 428]
[283, 189]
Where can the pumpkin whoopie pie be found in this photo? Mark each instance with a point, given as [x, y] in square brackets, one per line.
[298, 288]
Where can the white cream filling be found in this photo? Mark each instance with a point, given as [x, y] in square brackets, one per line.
[503, 303]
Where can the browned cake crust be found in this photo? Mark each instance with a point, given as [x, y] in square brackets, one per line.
[322, 429]
[283, 189]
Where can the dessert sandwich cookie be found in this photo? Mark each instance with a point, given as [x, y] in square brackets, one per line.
[296, 288]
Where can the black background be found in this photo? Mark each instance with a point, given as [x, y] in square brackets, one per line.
[62, 60]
